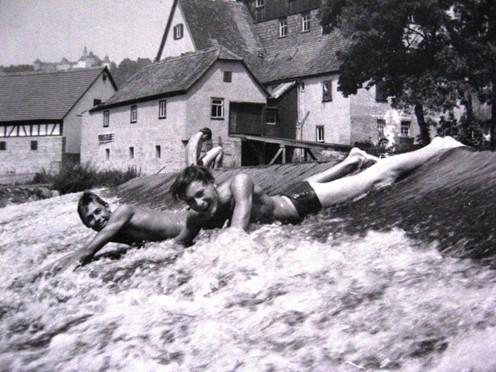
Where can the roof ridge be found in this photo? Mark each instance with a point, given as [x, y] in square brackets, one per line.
[183, 55]
[25, 73]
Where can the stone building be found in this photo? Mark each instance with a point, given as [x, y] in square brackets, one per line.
[282, 85]
[282, 41]
[87, 60]
[40, 116]
[147, 123]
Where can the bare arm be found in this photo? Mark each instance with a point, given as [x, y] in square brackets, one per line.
[189, 231]
[242, 187]
[116, 222]
[193, 149]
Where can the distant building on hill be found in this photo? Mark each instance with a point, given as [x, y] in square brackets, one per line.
[87, 60]
[40, 116]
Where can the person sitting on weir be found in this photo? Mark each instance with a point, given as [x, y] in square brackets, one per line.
[238, 200]
[199, 150]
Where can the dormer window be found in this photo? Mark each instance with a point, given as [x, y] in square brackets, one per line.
[178, 31]
[259, 3]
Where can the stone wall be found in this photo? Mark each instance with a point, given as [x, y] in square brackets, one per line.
[19, 158]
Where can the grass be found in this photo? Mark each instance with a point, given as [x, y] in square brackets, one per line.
[84, 177]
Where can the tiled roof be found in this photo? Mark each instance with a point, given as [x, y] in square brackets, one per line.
[312, 57]
[43, 96]
[174, 75]
[221, 22]
[230, 24]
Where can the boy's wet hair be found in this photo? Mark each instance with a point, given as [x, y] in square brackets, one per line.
[186, 177]
[208, 132]
[85, 199]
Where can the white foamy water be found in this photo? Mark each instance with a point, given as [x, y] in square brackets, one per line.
[271, 300]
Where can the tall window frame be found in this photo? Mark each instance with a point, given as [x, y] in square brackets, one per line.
[133, 114]
[305, 22]
[178, 31]
[217, 108]
[271, 116]
[106, 118]
[162, 109]
[319, 133]
[405, 128]
[327, 91]
[283, 27]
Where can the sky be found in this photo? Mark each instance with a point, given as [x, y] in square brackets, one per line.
[53, 29]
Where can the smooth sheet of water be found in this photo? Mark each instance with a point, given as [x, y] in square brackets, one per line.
[275, 299]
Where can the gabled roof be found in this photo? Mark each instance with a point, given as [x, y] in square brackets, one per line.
[230, 24]
[221, 22]
[44, 96]
[172, 76]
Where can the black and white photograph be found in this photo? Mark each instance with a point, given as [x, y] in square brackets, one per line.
[248, 185]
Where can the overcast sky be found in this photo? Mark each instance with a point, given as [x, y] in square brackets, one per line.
[53, 29]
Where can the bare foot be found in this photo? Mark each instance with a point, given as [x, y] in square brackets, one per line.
[361, 158]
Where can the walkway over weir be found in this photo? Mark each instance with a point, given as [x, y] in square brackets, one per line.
[284, 143]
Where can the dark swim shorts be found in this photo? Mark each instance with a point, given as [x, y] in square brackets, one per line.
[304, 198]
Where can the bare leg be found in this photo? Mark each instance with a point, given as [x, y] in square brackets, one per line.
[381, 174]
[213, 157]
[355, 160]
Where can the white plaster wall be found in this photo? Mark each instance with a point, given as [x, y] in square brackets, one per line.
[242, 89]
[144, 136]
[19, 158]
[177, 47]
[333, 115]
[102, 89]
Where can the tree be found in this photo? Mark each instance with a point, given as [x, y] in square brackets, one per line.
[426, 54]
[17, 68]
[128, 68]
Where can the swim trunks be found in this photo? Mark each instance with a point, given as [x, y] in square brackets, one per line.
[303, 197]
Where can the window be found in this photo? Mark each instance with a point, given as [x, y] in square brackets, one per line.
[3, 145]
[320, 133]
[97, 102]
[106, 118]
[259, 3]
[271, 116]
[227, 76]
[327, 91]
[107, 154]
[178, 31]
[134, 113]
[131, 152]
[158, 151]
[302, 86]
[162, 109]
[381, 124]
[405, 128]
[34, 145]
[283, 27]
[380, 93]
[305, 22]
[217, 108]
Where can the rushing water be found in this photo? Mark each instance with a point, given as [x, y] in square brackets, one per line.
[279, 298]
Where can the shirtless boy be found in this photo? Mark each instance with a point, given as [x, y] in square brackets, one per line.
[212, 158]
[239, 201]
[128, 224]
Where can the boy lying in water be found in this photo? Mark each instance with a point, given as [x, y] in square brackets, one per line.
[238, 201]
[128, 224]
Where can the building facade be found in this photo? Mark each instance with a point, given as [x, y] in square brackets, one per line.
[147, 124]
[40, 117]
[282, 41]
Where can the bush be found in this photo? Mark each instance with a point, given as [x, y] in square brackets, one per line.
[84, 177]
[42, 177]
